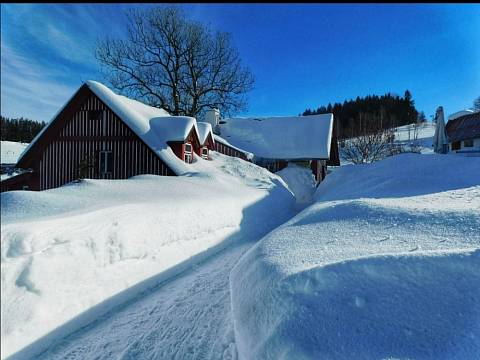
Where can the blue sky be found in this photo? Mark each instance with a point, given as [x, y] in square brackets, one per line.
[301, 55]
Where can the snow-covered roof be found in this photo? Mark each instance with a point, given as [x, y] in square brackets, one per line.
[204, 129]
[156, 127]
[295, 137]
[459, 113]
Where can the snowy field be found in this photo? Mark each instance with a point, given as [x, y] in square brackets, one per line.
[425, 132]
[10, 151]
[384, 265]
[96, 244]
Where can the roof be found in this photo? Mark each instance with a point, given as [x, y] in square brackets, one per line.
[204, 129]
[289, 138]
[459, 113]
[154, 126]
[464, 128]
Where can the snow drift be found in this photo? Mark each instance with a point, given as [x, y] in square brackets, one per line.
[383, 265]
[68, 249]
[300, 181]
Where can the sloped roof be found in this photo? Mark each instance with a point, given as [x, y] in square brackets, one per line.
[457, 114]
[464, 128]
[154, 126]
[290, 138]
[204, 129]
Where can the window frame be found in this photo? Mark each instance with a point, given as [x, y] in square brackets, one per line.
[188, 154]
[469, 142]
[108, 165]
[97, 117]
[456, 145]
[205, 152]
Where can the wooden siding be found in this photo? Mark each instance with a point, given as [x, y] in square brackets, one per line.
[81, 137]
[228, 150]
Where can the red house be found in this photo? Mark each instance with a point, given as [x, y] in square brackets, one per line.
[101, 135]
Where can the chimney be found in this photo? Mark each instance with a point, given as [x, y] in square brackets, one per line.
[212, 116]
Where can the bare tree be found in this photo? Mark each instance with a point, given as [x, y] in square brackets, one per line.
[174, 63]
[371, 143]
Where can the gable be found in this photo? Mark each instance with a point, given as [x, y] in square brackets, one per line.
[74, 122]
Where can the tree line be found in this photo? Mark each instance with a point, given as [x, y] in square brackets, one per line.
[364, 114]
[19, 129]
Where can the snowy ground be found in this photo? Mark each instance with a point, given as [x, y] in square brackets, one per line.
[10, 151]
[383, 265]
[71, 254]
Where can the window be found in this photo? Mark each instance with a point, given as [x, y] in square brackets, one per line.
[187, 156]
[468, 143]
[106, 162]
[95, 114]
[456, 145]
[205, 152]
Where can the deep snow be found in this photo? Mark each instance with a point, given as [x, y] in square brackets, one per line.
[383, 265]
[79, 247]
[301, 183]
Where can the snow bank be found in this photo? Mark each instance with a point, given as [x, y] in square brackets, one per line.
[11, 151]
[377, 267]
[300, 181]
[66, 250]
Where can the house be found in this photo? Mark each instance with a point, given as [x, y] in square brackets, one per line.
[463, 133]
[207, 140]
[101, 135]
[275, 141]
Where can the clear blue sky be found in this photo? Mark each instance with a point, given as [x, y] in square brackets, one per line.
[301, 55]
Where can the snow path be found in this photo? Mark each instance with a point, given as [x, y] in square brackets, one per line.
[187, 317]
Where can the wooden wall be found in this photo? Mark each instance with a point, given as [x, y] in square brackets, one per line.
[228, 150]
[81, 137]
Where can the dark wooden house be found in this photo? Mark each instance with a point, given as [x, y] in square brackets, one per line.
[101, 135]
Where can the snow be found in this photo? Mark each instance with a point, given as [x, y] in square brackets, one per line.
[425, 131]
[300, 181]
[383, 265]
[297, 137]
[11, 151]
[204, 129]
[71, 254]
[460, 113]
